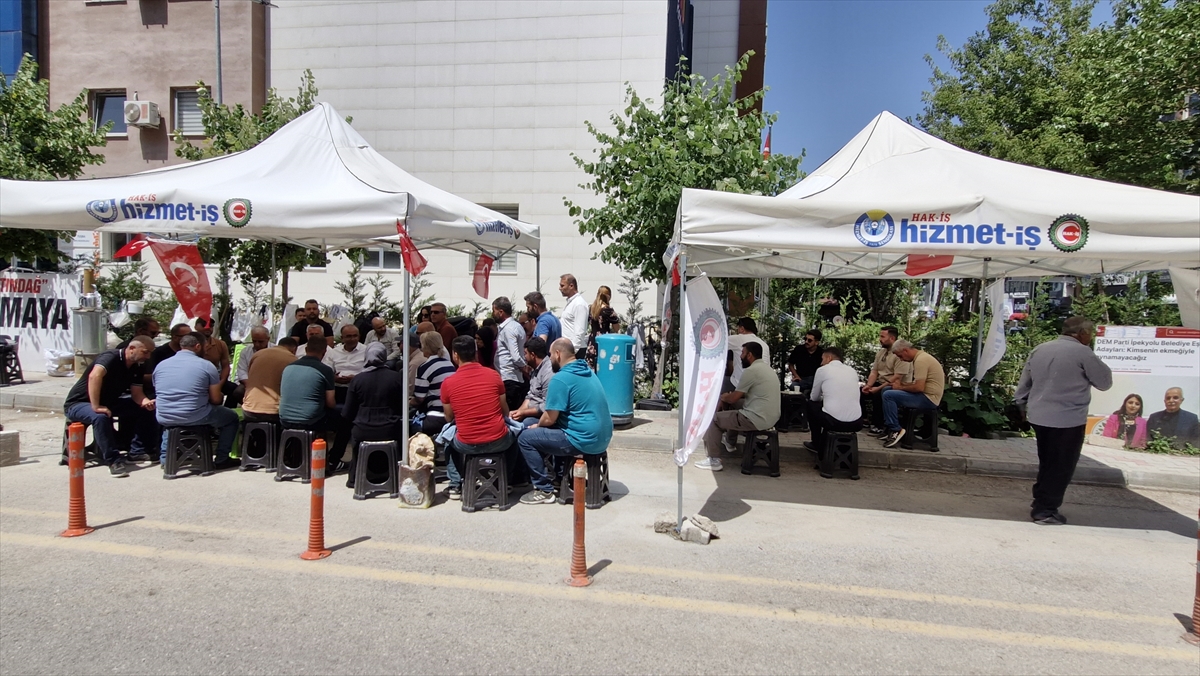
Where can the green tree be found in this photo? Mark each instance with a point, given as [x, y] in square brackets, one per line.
[40, 144]
[1041, 86]
[701, 137]
[354, 289]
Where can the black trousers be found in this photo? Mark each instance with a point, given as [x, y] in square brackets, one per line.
[820, 422]
[1058, 453]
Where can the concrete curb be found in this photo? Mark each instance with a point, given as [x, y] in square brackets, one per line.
[30, 401]
[923, 461]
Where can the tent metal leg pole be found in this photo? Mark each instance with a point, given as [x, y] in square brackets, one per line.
[982, 314]
[681, 389]
[271, 304]
[404, 369]
[537, 283]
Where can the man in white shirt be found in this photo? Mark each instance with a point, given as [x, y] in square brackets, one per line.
[312, 331]
[834, 403]
[746, 332]
[260, 339]
[510, 353]
[348, 359]
[574, 317]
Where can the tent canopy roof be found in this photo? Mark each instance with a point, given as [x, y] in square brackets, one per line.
[315, 182]
[895, 191]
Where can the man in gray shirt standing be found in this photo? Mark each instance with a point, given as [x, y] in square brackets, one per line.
[1054, 393]
[510, 356]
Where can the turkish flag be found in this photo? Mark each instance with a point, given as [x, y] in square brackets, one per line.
[414, 262]
[919, 264]
[483, 270]
[767, 146]
[133, 247]
[183, 267]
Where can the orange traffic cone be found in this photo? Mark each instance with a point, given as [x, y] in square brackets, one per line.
[579, 576]
[77, 511]
[316, 518]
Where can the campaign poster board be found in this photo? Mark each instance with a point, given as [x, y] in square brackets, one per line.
[1148, 360]
[37, 307]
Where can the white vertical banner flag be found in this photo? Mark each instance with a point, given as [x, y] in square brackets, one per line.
[995, 345]
[702, 346]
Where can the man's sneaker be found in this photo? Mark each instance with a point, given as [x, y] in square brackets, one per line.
[811, 446]
[1050, 519]
[118, 469]
[454, 492]
[139, 457]
[728, 446]
[536, 497]
[892, 439]
[713, 464]
[226, 463]
[876, 431]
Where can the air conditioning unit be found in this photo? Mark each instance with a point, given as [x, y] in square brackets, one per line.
[141, 113]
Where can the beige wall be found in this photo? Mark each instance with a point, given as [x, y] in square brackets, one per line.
[152, 46]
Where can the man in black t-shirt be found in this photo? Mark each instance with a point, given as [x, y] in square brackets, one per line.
[804, 361]
[98, 396]
[312, 315]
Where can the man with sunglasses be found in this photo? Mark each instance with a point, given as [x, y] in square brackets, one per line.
[437, 315]
[804, 361]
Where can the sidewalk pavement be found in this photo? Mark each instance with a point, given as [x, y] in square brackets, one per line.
[655, 432]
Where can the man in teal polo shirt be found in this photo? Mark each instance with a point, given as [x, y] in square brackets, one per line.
[306, 399]
[575, 420]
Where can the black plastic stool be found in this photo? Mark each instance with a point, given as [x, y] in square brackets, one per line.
[485, 483]
[188, 448]
[296, 441]
[91, 452]
[794, 409]
[914, 420]
[363, 487]
[840, 453]
[260, 446]
[760, 444]
[597, 482]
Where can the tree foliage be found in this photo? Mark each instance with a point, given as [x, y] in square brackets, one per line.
[40, 144]
[1041, 85]
[701, 137]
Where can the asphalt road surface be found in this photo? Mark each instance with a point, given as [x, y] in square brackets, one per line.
[901, 572]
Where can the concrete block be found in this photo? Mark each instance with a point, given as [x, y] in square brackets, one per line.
[10, 448]
[665, 522]
[693, 533]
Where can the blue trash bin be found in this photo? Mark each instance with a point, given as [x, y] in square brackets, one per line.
[615, 365]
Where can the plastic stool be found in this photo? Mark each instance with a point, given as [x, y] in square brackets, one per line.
[486, 482]
[91, 452]
[751, 451]
[363, 487]
[300, 442]
[188, 448]
[259, 446]
[914, 420]
[840, 453]
[596, 482]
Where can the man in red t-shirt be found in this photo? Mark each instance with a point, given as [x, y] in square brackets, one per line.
[474, 400]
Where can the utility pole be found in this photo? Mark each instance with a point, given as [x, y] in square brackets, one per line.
[217, 10]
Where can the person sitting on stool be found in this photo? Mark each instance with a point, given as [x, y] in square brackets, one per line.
[97, 396]
[758, 396]
[575, 420]
[188, 389]
[924, 393]
[306, 399]
[374, 404]
[834, 404]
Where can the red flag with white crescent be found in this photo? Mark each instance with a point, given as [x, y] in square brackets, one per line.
[133, 247]
[414, 262]
[182, 265]
[919, 264]
[767, 145]
[483, 271]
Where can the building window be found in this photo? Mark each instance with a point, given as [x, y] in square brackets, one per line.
[110, 107]
[188, 119]
[507, 262]
[112, 243]
[382, 259]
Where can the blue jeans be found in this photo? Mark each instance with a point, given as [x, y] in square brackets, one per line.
[539, 441]
[894, 399]
[224, 420]
[141, 420]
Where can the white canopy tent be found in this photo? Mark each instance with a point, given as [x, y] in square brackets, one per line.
[894, 190]
[316, 182]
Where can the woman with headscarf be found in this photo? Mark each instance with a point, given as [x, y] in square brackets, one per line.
[485, 345]
[374, 405]
[603, 319]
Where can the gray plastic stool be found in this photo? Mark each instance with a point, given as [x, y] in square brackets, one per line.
[760, 444]
[259, 446]
[596, 482]
[364, 488]
[839, 454]
[486, 482]
[296, 441]
[188, 448]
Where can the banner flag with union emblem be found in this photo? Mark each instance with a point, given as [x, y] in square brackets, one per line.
[483, 273]
[184, 268]
[702, 346]
[414, 262]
